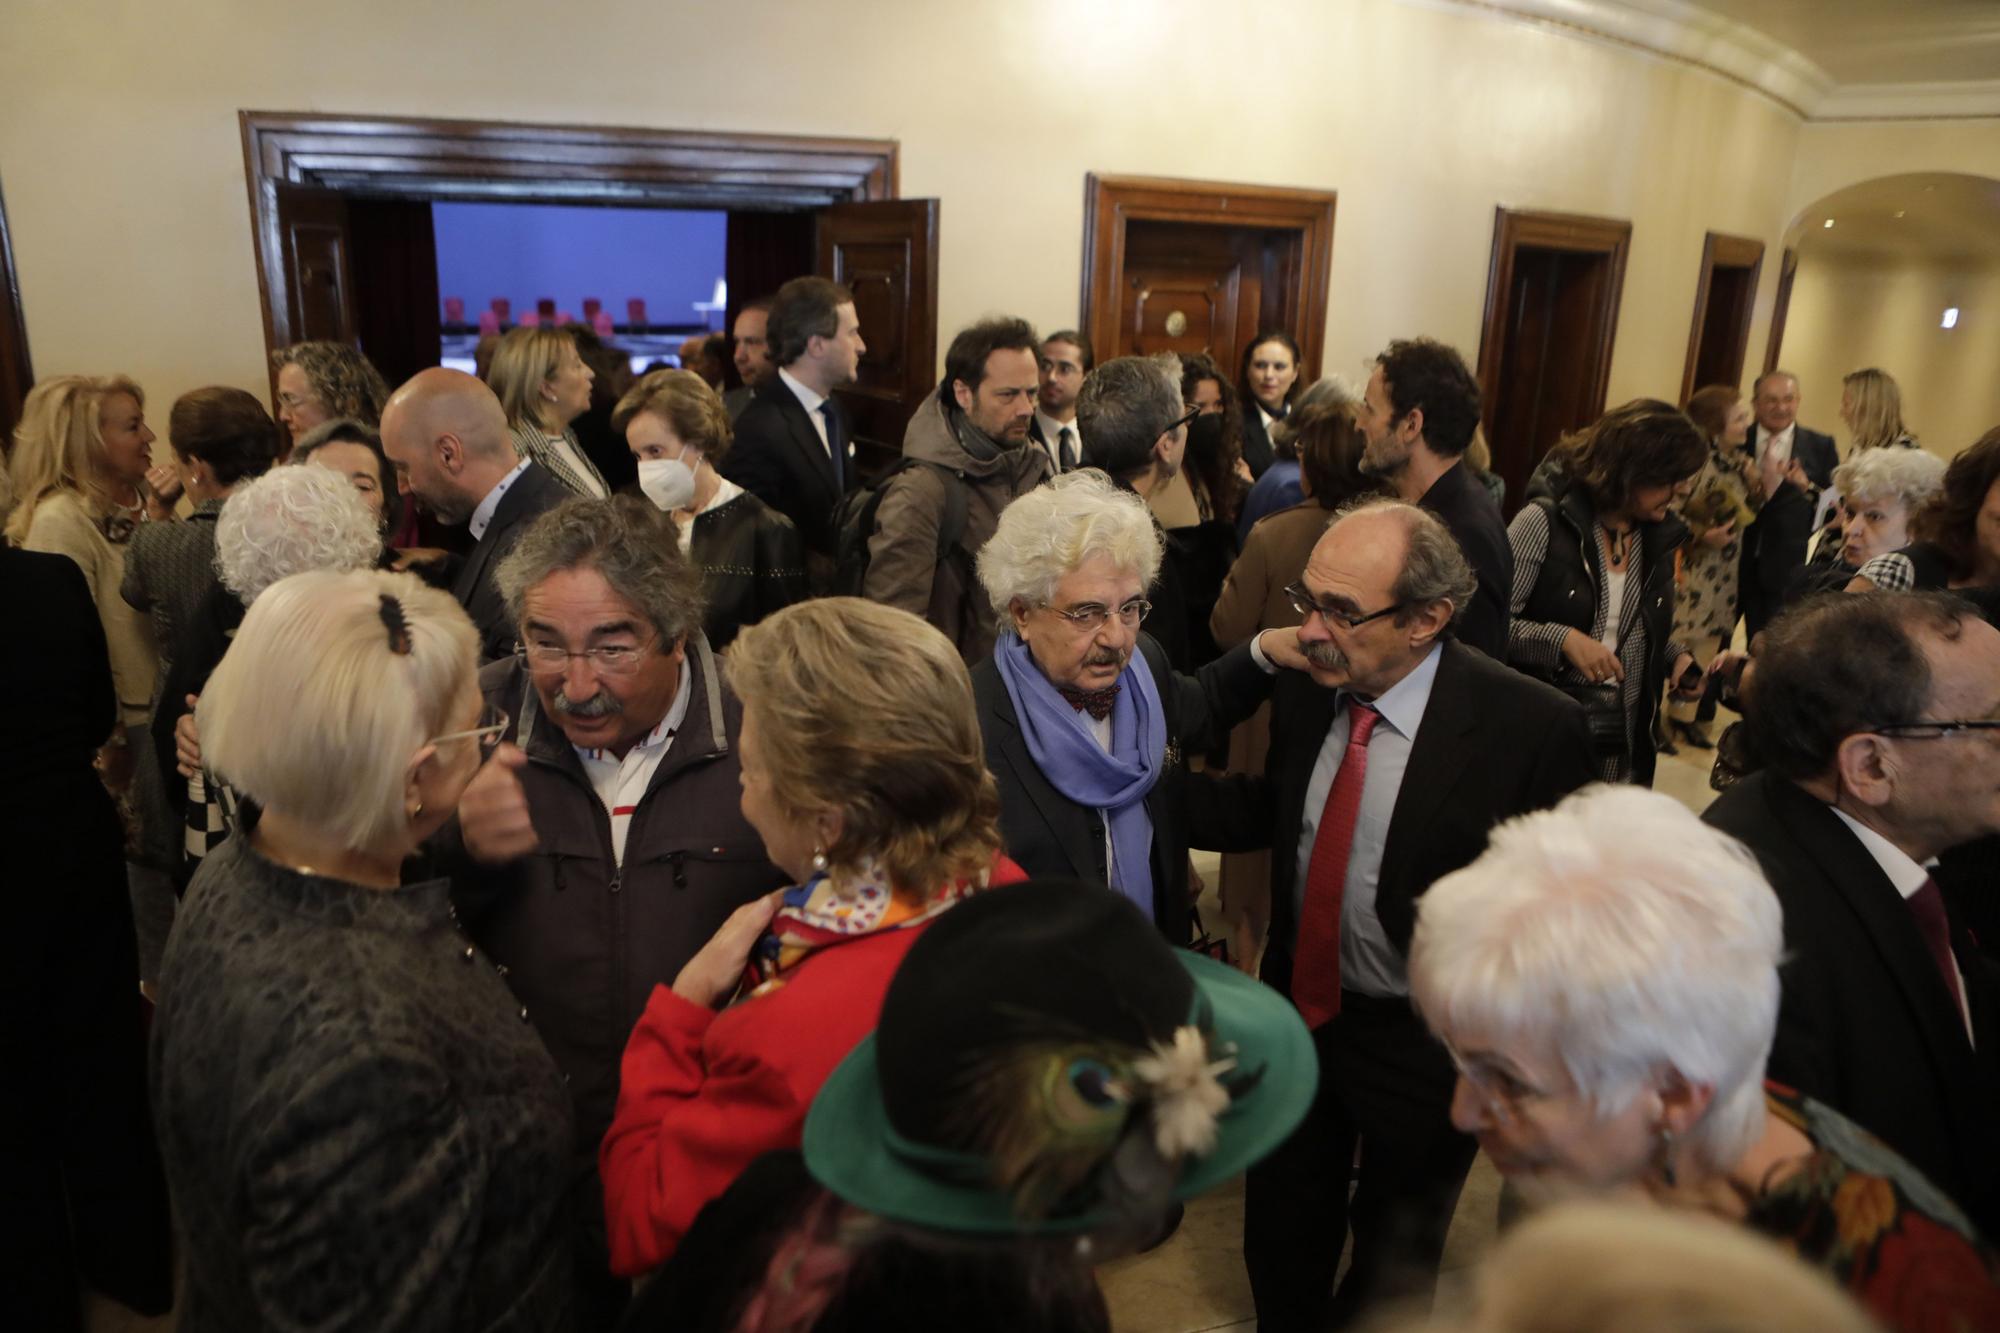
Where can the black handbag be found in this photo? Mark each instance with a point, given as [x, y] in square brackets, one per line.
[1604, 714]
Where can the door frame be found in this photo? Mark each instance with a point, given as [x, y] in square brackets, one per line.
[502, 161]
[1719, 250]
[17, 371]
[1112, 203]
[1781, 306]
[1574, 232]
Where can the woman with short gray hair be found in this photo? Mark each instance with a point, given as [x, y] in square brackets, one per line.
[1605, 978]
[1085, 723]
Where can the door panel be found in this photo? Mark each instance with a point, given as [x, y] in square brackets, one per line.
[885, 252]
[1725, 289]
[1226, 284]
[319, 286]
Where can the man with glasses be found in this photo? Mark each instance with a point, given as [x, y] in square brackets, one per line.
[1877, 716]
[1087, 728]
[1389, 765]
[599, 850]
[966, 456]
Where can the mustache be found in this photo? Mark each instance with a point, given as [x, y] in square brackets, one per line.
[1325, 656]
[1105, 657]
[600, 704]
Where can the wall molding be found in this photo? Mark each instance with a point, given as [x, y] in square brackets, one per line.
[1689, 35]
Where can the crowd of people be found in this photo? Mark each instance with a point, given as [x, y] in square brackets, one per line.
[728, 891]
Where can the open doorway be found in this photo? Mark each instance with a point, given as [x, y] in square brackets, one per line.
[341, 211]
[1725, 291]
[1545, 351]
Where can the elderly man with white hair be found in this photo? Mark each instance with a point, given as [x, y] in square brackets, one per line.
[1087, 728]
[1605, 979]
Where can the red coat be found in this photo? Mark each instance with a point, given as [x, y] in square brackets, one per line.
[703, 1094]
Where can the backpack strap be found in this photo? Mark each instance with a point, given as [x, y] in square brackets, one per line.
[957, 505]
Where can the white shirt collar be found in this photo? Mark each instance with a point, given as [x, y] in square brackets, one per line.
[482, 517]
[1782, 439]
[805, 395]
[1052, 429]
[1897, 864]
[1402, 705]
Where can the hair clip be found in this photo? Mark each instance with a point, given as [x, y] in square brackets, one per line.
[391, 612]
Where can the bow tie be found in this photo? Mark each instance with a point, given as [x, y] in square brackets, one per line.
[1097, 703]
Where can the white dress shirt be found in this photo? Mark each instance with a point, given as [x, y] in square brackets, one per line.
[1777, 446]
[482, 517]
[811, 401]
[1902, 871]
[1052, 438]
[1369, 962]
[621, 783]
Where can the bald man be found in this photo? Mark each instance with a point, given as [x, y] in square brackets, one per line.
[448, 437]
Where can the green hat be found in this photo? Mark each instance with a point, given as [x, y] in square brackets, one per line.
[1051, 1023]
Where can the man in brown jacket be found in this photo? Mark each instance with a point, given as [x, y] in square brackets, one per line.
[972, 434]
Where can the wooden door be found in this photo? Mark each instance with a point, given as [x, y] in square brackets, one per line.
[1725, 291]
[761, 253]
[1788, 272]
[17, 375]
[315, 267]
[886, 253]
[1551, 316]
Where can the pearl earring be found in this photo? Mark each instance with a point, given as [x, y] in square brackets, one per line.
[819, 859]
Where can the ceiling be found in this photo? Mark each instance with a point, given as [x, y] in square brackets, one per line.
[1943, 217]
[1880, 41]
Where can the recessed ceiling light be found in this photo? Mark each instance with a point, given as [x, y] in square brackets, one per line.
[1899, 212]
[1950, 320]
[1827, 223]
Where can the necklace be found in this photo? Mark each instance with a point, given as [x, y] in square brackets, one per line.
[1617, 545]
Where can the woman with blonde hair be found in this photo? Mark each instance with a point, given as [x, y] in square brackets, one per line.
[1872, 407]
[864, 773]
[751, 560]
[543, 385]
[362, 1130]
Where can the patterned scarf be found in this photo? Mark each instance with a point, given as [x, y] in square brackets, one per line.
[821, 913]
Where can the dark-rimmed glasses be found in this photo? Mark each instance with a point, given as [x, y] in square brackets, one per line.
[1306, 604]
[1932, 731]
[1192, 413]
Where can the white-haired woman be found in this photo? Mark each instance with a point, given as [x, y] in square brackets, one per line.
[291, 520]
[1086, 725]
[1605, 978]
[544, 385]
[361, 1128]
[1880, 491]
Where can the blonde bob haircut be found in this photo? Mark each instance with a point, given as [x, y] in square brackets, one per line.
[314, 714]
[1621, 932]
[687, 403]
[1051, 530]
[1876, 406]
[522, 362]
[59, 445]
[867, 710]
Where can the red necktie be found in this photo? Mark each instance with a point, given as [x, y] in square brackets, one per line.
[1927, 906]
[1316, 960]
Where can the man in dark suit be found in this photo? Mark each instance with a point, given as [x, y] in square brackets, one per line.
[1795, 465]
[448, 437]
[1064, 359]
[1418, 414]
[1389, 765]
[1889, 1012]
[794, 448]
[1069, 661]
[751, 340]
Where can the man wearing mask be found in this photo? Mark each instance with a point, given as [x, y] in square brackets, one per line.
[1065, 358]
[753, 354]
[966, 456]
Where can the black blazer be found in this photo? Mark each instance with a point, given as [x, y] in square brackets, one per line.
[1493, 744]
[1258, 451]
[1865, 1024]
[1048, 834]
[1469, 510]
[777, 456]
[533, 494]
[1816, 455]
[751, 565]
[1774, 551]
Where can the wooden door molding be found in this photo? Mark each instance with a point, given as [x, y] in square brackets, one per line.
[17, 372]
[521, 163]
[1513, 229]
[1111, 203]
[1721, 251]
[1788, 271]
[885, 252]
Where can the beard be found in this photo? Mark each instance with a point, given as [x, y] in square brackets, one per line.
[600, 704]
[449, 509]
[1383, 461]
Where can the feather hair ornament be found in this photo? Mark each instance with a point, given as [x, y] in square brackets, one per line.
[1187, 1096]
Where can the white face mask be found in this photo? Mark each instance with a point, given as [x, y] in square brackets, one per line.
[669, 482]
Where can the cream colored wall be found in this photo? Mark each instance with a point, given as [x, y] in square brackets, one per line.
[1834, 156]
[1855, 313]
[122, 163]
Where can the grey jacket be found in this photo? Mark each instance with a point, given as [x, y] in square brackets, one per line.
[360, 1129]
[903, 568]
[584, 939]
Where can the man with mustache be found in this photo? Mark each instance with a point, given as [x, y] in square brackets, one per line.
[1388, 767]
[603, 845]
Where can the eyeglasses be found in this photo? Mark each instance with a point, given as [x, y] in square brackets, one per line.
[492, 721]
[608, 660]
[1306, 604]
[1501, 1092]
[1192, 413]
[1091, 616]
[1932, 731]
